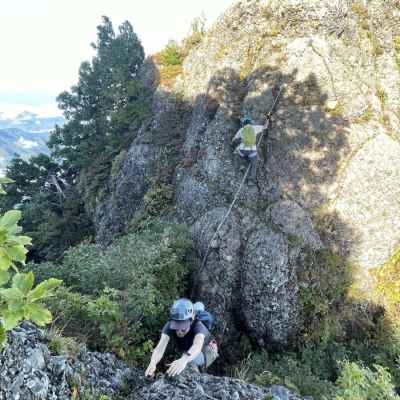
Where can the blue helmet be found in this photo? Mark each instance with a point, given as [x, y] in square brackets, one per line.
[181, 314]
[182, 310]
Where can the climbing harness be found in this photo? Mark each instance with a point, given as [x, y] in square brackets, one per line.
[266, 126]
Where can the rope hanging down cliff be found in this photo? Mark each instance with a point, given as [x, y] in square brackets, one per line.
[266, 127]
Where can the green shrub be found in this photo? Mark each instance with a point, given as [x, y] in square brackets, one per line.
[103, 322]
[387, 288]
[171, 55]
[386, 295]
[137, 257]
[71, 309]
[325, 278]
[124, 291]
[81, 269]
[158, 199]
[19, 299]
[396, 42]
[361, 383]
[324, 371]
[63, 345]
[300, 374]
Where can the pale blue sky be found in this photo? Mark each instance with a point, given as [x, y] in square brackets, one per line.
[43, 42]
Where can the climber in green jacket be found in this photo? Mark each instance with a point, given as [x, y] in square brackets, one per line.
[247, 148]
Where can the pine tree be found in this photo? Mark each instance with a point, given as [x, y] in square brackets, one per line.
[108, 98]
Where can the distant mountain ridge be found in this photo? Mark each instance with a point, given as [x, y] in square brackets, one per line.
[26, 135]
[31, 122]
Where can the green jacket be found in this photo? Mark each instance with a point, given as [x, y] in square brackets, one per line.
[248, 136]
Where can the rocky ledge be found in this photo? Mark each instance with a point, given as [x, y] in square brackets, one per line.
[29, 371]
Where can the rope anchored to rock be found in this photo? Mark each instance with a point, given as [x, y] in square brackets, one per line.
[266, 127]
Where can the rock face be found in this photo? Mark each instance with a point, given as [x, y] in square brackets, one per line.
[294, 221]
[338, 116]
[204, 387]
[328, 167]
[218, 280]
[269, 287]
[129, 187]
[28, 371]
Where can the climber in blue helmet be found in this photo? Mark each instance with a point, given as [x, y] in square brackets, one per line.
[246, 142]
[192, 338]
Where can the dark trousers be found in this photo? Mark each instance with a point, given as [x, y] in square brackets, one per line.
[251, 156]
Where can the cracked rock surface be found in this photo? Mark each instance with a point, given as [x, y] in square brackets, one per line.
[28, 371]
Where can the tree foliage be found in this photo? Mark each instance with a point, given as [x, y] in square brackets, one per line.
[52, 209]
[28, 178]
[107, 102]
[19, 299]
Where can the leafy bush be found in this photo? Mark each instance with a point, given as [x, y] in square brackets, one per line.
[19, 300]
[387, 291]
[63, 345]
[170, 60]
[361, 383]
[103, 322]
[325, 279]
[300, 374]
[122, 294]
[322, 372]
[158, 199]
[135, 259]
[71, 309]
[171, 55]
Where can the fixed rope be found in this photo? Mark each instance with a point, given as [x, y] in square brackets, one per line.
[266, 127]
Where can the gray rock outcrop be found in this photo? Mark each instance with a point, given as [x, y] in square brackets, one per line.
[129, 187]
[269, 288]
[204, 387]
[328, 169]
[218, 280]
[28, 371]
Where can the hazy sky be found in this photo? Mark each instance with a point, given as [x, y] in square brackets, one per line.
[43, 42]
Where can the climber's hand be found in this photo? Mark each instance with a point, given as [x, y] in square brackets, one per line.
[235, 142]
[151, 369]
[213, 346]
[176, 367]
